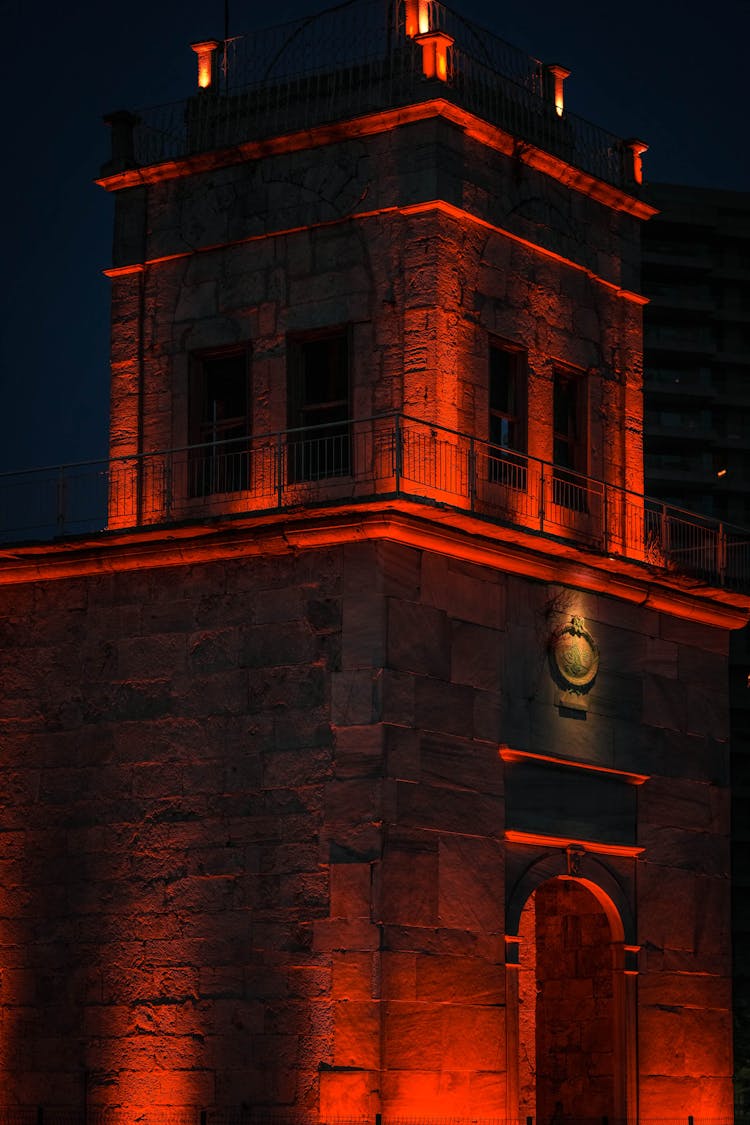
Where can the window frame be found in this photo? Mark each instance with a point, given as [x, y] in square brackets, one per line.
[218, 460]
[507, 462]
[318, 450]
[570, 479]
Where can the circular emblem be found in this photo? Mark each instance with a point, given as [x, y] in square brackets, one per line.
[575, 656]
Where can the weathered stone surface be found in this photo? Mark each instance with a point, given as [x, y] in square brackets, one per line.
[448, 810]
[357, 1034]
[463, 591]
[455, 980]
[253, 817]
[476, 656]
[418, 639]
[413, 1036]
[689, 633]
[460, 763]
[684, 1042]
[363, 632]
[471, 876]
[690, 990]
[352, 697]
[408, 890]
[359, 751]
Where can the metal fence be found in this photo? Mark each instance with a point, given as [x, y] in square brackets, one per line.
[361, 460]
[354, 59]
[241, 1115]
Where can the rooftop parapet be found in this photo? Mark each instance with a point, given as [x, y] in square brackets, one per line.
[362, 58]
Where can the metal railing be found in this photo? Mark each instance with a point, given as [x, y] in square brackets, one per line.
[243, 1115]
[361, 460]
[354, 59]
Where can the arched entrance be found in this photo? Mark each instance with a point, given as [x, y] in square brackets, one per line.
[571, 995]
[565, 1005]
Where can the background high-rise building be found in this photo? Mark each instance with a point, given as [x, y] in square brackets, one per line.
[696, 274]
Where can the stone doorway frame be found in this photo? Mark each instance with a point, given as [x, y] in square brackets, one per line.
[575, 863]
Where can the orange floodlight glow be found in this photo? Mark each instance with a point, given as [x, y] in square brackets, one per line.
[416, 17]
[559, 74]
[637, 148]
[411, 18]
[435, 46]
[205, 53]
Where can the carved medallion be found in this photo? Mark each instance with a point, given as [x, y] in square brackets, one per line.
[575, 657]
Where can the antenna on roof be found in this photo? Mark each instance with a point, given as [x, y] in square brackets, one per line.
[225, 55]
[227, 40]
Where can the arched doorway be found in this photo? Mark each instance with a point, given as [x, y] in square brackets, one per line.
[571, 994]
[565, 1005]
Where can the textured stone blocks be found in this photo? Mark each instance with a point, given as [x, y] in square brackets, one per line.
[275, 827]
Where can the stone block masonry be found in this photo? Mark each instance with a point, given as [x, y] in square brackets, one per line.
[422, 241]
[253, 840]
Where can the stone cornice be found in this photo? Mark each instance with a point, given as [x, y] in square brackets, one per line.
[460, 536]
[384, 121]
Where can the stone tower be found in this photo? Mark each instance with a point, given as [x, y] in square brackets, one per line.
[383, 769]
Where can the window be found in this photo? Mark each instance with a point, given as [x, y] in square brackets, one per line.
[507, 398]
[320, 444]
[569, 441]
[219, 423]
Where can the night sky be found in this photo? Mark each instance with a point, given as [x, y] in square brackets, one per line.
[673, 74]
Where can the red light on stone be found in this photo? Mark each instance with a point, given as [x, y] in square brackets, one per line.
[559, 74]
[435, 46]
[205, 53]
[637, 148]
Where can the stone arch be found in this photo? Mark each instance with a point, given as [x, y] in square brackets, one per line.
[586, 869]
[578, 866]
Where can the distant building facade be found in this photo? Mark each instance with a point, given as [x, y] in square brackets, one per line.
[696, 273]
[374, 759]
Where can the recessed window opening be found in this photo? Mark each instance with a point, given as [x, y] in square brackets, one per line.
[507, 421]
[320, 441]
[219, 423]
[569, 441]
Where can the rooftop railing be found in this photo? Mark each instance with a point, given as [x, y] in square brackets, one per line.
[359, 461]
[243, 1115]
[355, 59]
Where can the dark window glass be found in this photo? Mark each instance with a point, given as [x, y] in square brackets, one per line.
[565, 420]
[320, 444]
[503, 420]
[219, 424]
[568, 452]
[507, 409]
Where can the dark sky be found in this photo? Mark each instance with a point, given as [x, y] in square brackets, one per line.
[672, 73]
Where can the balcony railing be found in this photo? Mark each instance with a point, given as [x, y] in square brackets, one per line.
[243, 1115]
[388, 456]
[355, 59]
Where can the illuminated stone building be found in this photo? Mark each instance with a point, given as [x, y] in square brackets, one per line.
[373, 759]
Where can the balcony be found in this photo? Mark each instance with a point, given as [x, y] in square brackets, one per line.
[357, 59]
[385, 458]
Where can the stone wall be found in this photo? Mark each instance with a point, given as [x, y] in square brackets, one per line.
[423, 242]
[253, 831]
